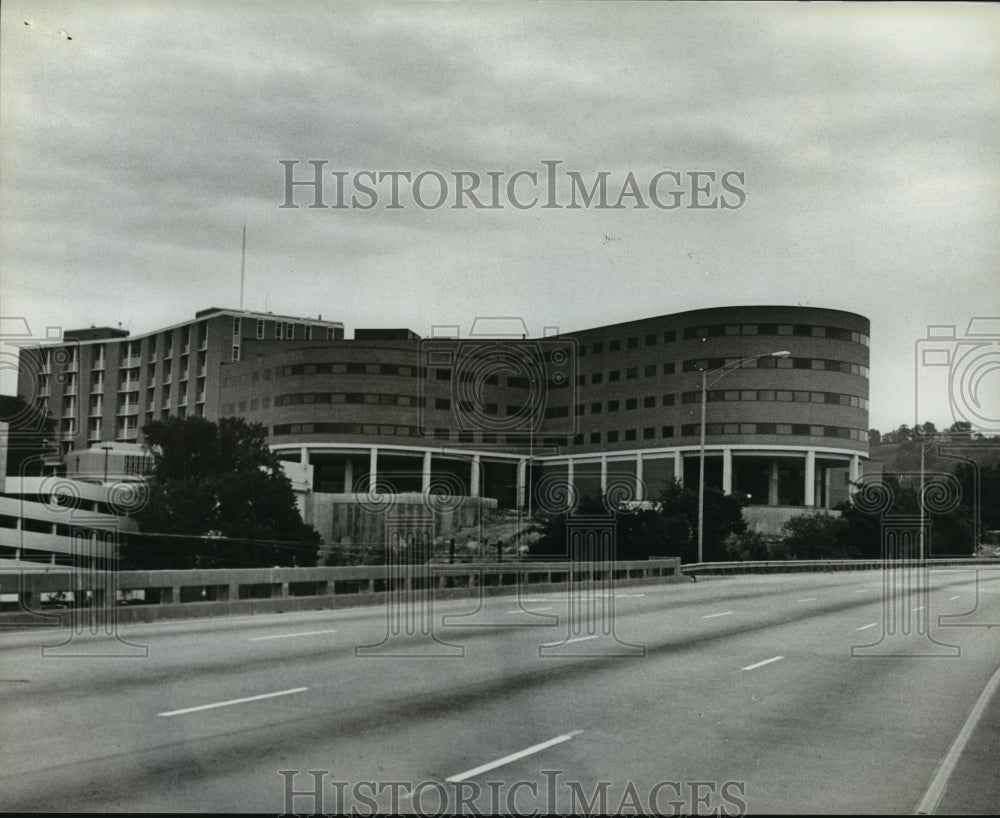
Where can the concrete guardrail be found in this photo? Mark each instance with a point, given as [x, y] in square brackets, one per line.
[145, 596]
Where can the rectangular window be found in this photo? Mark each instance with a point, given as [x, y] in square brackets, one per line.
[630, 403]
[613, 406]
[649, 371]
[649, 402]
[614, 346]
[612, 437]
[595, 437]
[629, 434]
[260, 329]
[278, 327]
[649, 433]
[632, 372]
[668, 369]
[668, 400]
[667, 431]
[651, 339]
[598, 348]
[633, 342]
[236, 326]
[236, 353]
[597, 377]
[614, 375]
[595, 408]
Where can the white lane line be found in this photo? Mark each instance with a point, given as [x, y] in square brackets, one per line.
[712, 616]
[861, 591]
[953, 598]
[492, 765]
[937, 787]
[920, 608]
[233, 701]
[761, 664]
[532, 610]
[866, 627]
[807, 599]
[291, 635]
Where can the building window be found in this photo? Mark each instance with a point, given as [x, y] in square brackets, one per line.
[236, 353]
[651, 339]
[613, 405]
[668, 400]
[612, 437]
[597, 377]
[595, 408]
[667, 431]
[236, 326]
[595, 437]
[629, 434]
[649, 402]
[598, 348]
[633, 342]
[650, 370]
[278, 326]
[632, 372]
[668, 369]
[614, 375]
[649, 433]
[260, 329]
[614, 346]
[630, 404]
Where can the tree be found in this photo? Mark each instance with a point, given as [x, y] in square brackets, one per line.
[669, 528]
[223, 490]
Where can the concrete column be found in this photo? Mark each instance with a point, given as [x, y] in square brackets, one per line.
[348, 475]
[522, 475]
[678, 466]
[639, 493]
[727, 471]
[810, 486]
[426, 476]
[569, 472]
[304, 455]
[474, 476]
[855, 469]
[604, 473]
[826, 488]
[772, 485]
[373, 464]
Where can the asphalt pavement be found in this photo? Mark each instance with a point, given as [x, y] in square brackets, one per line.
[828, 693]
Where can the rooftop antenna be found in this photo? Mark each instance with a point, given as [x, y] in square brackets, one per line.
[243, 259]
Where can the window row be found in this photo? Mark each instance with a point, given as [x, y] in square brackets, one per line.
[797, 429]
[797, 396]
[815, 364]
[714, 330]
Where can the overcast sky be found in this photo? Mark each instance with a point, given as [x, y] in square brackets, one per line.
[138, 136]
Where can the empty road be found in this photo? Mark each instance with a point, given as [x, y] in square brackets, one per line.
[778, 693]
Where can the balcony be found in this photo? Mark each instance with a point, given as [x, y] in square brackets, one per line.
[184, 375]
[97, 388]
[98, 363]
[203, 345]
[129, 386]
[130, 362]
[201, 397]
[72, 366]
[128, 409]
[69, 412]
[96, 409]
[186, 349]
[201, 371]
[70, 389]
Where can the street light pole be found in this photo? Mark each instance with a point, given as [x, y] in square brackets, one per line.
[723, 370]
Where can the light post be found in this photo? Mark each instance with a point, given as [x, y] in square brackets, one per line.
[722, 371]
[107, 451]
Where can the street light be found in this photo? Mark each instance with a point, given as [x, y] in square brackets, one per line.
[722, 371]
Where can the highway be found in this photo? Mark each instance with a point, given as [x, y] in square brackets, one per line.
[730, 695]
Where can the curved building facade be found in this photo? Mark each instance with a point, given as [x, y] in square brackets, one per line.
[617, 406]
